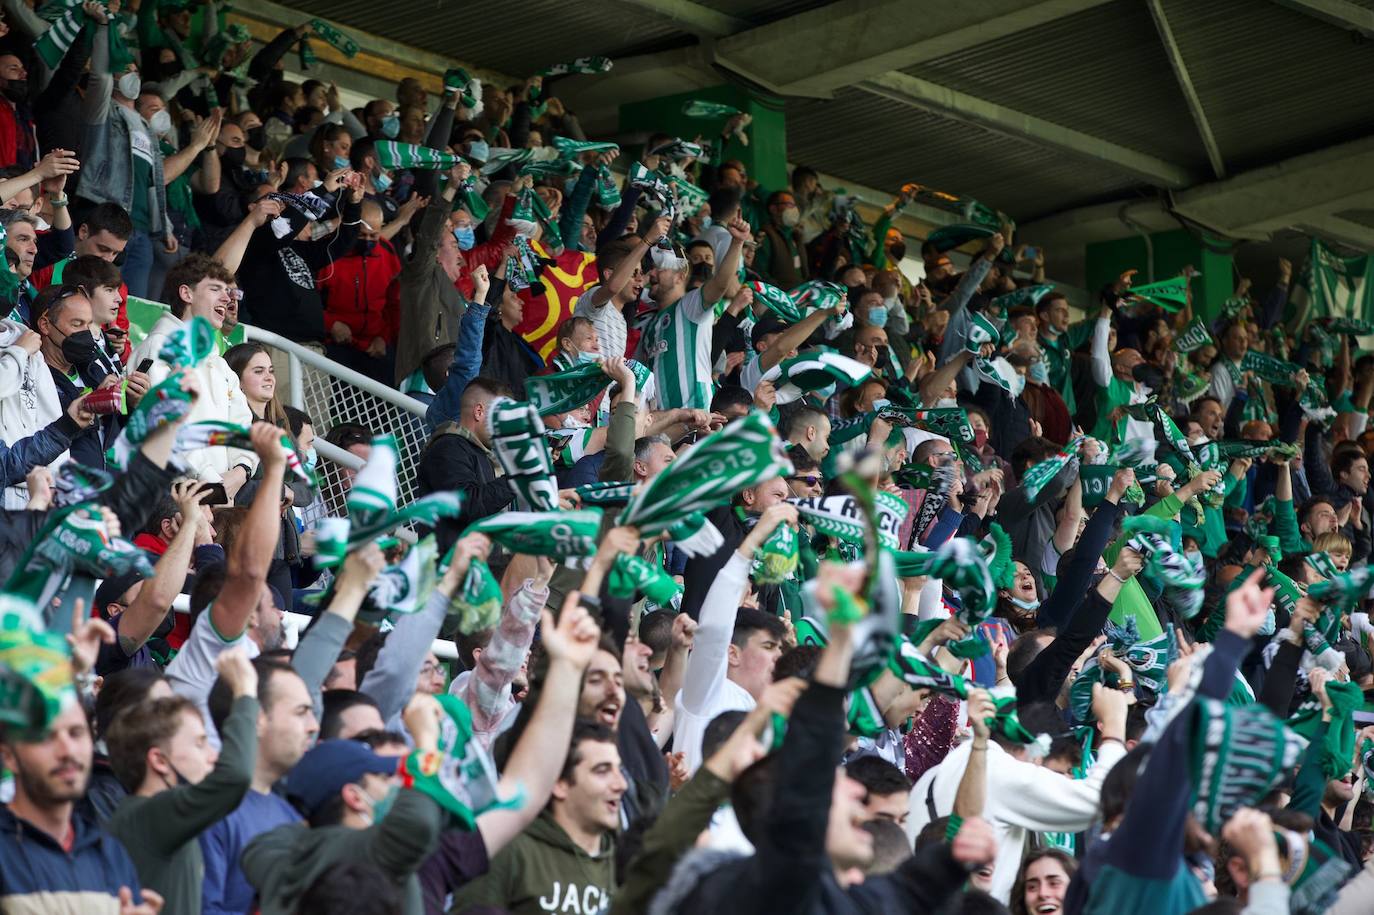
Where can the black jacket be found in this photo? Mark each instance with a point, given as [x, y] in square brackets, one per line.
[452, 462]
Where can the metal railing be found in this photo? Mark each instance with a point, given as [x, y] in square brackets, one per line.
[331, 394]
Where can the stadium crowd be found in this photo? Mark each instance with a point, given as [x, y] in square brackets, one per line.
[751, 570]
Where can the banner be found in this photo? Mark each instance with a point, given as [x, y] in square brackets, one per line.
[1331, 286]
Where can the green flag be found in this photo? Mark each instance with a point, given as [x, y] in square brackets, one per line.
[1333, 286]
[1171, 295]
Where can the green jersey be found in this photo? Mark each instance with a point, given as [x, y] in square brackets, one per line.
[678, 341]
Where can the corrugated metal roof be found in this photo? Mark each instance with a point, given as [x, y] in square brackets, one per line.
[509, 38]
[1103, 72]
[883, 144]
[761, 11]
[1274, 82]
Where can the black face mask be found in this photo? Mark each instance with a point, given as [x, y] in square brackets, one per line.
[363, 247]
[80, 348]
[233, 157]
[256, 137]
[17, 91]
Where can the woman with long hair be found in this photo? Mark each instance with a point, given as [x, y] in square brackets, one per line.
[253, 366]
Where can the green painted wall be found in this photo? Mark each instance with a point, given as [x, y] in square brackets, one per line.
[1105, 261]
[766, 155]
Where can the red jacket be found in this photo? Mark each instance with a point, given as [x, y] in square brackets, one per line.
[488, 253]
[362, 292]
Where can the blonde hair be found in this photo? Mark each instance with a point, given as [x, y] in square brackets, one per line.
[1332, 542]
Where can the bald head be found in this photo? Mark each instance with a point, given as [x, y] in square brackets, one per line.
[372, 221]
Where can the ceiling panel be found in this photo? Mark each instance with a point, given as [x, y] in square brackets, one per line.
[1103, 72]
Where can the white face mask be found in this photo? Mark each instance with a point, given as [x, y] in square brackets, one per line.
[944, 402]
[160, 122]
[129, 84]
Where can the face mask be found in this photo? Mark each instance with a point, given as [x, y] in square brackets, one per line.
[391, 126]
[80, 348]
[233, 158]
[1194, 556]
[466, 236]
[890, 300]
[877, 316]
[980, 438]
[312, 458]
[379, 807]
[316, 184]
[160, 122]
[363, 247]
[479, 150]
[129, 84]
[256, 137]
[705, 222]
[341, 162]
[1020, 604]
[582, 358]
[946, 403]
[574, 422]
[17, 91]
[1039, 372]
[791, 217]
[382, 182]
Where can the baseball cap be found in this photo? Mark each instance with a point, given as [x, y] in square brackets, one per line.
[328, 766]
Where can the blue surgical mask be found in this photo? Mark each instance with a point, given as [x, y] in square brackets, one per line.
[391, 126]
[466, 237]
[706, 222]
[1039, 372]
[382, 182]
[311, 459]
[341, 162]
[877, 316]
[583, 358]
[479, 150]
[1020, 604]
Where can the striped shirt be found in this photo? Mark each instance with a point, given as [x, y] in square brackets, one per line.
[678, 340]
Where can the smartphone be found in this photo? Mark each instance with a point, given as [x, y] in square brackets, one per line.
[1031, 253]
[217, 494]
[144, 366]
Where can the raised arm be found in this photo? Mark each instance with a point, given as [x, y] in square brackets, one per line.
[624, 271]
[793, 337]
[1101, 359]
[537, 758]
[721, 282]
[320, 646]
[250, 558]
[149, 608]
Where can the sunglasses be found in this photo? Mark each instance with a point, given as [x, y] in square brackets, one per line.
[808, 480]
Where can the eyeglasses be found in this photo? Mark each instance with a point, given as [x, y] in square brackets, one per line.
[428, 670]
[808, 480]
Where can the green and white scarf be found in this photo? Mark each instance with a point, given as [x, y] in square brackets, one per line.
[1267, 368]
[568, 147]
[335, 38]
[814, 370]
[556, 534]
[1239, 754]
[777, 301]
[1338, 747]
[1193, 337]
[1038, 476]
[35, 672]
[393, 154]
[517, 441]
[403, 588]
[189, 345]
[165, 403]
[460, 776]
[920, 673]
[632, 574]
[67, 18]
[841, 517]
[743, 454]
[1026, 295]
[211, 433]
[697, 108]
[563, 391]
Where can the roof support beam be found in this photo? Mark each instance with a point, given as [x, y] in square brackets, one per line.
[1340, 13]
[693, 17]
[1185, 83]
[959, 106]
[816, 52]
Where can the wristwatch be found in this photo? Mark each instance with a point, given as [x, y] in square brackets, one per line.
[58, 201]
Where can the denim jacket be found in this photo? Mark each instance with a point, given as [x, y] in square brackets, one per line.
[107, 171]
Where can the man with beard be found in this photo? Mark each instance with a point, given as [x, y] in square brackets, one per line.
[52, 859]
[622, 280]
